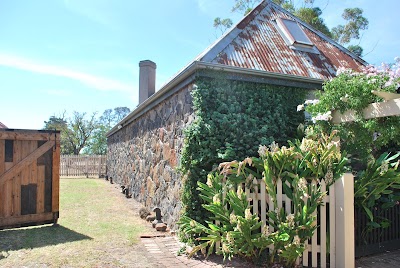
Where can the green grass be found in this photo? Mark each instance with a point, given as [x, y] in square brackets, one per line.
[96, 228]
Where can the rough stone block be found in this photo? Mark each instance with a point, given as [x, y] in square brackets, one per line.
[161, 227]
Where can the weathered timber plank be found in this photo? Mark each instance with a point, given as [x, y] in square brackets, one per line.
[40, 194]
[27, 136]
[2, 170]
[56, 177]
[7, 205]
[26, 161]
[23, 219]
[374, 110]
[33, 167]
[16, 195]
[2, 156]
[2, 197]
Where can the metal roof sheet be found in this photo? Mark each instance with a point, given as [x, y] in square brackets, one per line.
[256, 43]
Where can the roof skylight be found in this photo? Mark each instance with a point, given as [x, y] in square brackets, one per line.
[293, 33]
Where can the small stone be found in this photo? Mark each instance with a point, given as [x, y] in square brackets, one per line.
[150, 218]
[143, 213]
[161, 227]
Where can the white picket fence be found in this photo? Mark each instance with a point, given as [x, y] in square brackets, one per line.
[82, 165]
[338, 225]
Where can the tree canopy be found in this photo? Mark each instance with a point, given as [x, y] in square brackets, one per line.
[83, 133]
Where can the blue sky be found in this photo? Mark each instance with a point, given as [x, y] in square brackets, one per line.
[83, 55]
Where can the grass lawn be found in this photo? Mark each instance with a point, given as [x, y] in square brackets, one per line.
[97, 228]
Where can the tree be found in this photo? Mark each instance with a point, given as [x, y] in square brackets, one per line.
[97, 144]
[244, 6]
[79, 131]
[120, 113]
[356, 49]
[312, 17]
[108, 118]
[355, 22]
[241, 6]
[80, 134]
[55, 123]
[59, 123]
[223, 24]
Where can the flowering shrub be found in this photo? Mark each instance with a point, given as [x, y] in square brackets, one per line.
[300, 167]
[238, 231]
[377, 179]
[351, 90]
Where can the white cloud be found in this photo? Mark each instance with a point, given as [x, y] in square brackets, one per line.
[58, 92]
[96, 82]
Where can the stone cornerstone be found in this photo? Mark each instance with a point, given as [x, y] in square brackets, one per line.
[144, 154]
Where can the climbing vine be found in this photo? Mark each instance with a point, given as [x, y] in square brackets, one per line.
[233, 118]
[351, 90]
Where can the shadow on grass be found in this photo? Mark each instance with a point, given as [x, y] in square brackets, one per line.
[35, 237]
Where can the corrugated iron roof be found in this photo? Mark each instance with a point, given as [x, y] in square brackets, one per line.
[255, 47]
[2, 125]
[255, 43]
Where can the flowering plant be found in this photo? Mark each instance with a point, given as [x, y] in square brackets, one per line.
[351, 90]
[300, 167]
[232, 225]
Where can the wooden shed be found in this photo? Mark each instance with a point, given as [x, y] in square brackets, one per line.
[29, 177]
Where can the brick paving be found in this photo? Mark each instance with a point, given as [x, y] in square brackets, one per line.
[389, 259]
[164, 252]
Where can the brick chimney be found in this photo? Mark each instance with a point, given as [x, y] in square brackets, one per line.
[147, 79]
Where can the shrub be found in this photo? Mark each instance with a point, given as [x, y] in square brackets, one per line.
[300, 168]
[351, 90]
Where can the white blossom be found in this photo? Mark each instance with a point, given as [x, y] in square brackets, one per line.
[300, 107]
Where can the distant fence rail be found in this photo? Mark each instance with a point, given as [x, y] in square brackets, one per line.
[83, 165]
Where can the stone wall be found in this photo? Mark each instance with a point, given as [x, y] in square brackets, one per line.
[144, 154]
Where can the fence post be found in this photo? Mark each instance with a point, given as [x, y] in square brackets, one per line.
[86, 166]
[100, 158]
[345, 251]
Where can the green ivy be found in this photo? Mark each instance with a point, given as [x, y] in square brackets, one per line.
[232, 118]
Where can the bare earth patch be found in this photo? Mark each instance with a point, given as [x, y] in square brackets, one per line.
[98, 227]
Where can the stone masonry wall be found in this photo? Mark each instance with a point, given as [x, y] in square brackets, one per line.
[144, 155]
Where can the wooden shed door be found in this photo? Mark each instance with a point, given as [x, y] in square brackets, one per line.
[25, 189]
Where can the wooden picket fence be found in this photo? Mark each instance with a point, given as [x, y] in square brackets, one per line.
[335, 220]
[83, 165]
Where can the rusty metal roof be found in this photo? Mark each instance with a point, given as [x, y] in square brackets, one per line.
[255, 47]
[256, 43]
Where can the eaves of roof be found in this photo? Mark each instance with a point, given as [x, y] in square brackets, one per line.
[187, 76]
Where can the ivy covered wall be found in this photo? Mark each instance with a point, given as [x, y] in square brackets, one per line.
[232, 118]
[217, 120]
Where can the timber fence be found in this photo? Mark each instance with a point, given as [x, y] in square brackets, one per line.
[332, 244]
[83, 165]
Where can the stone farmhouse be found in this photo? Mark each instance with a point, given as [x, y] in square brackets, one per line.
[269, 46]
